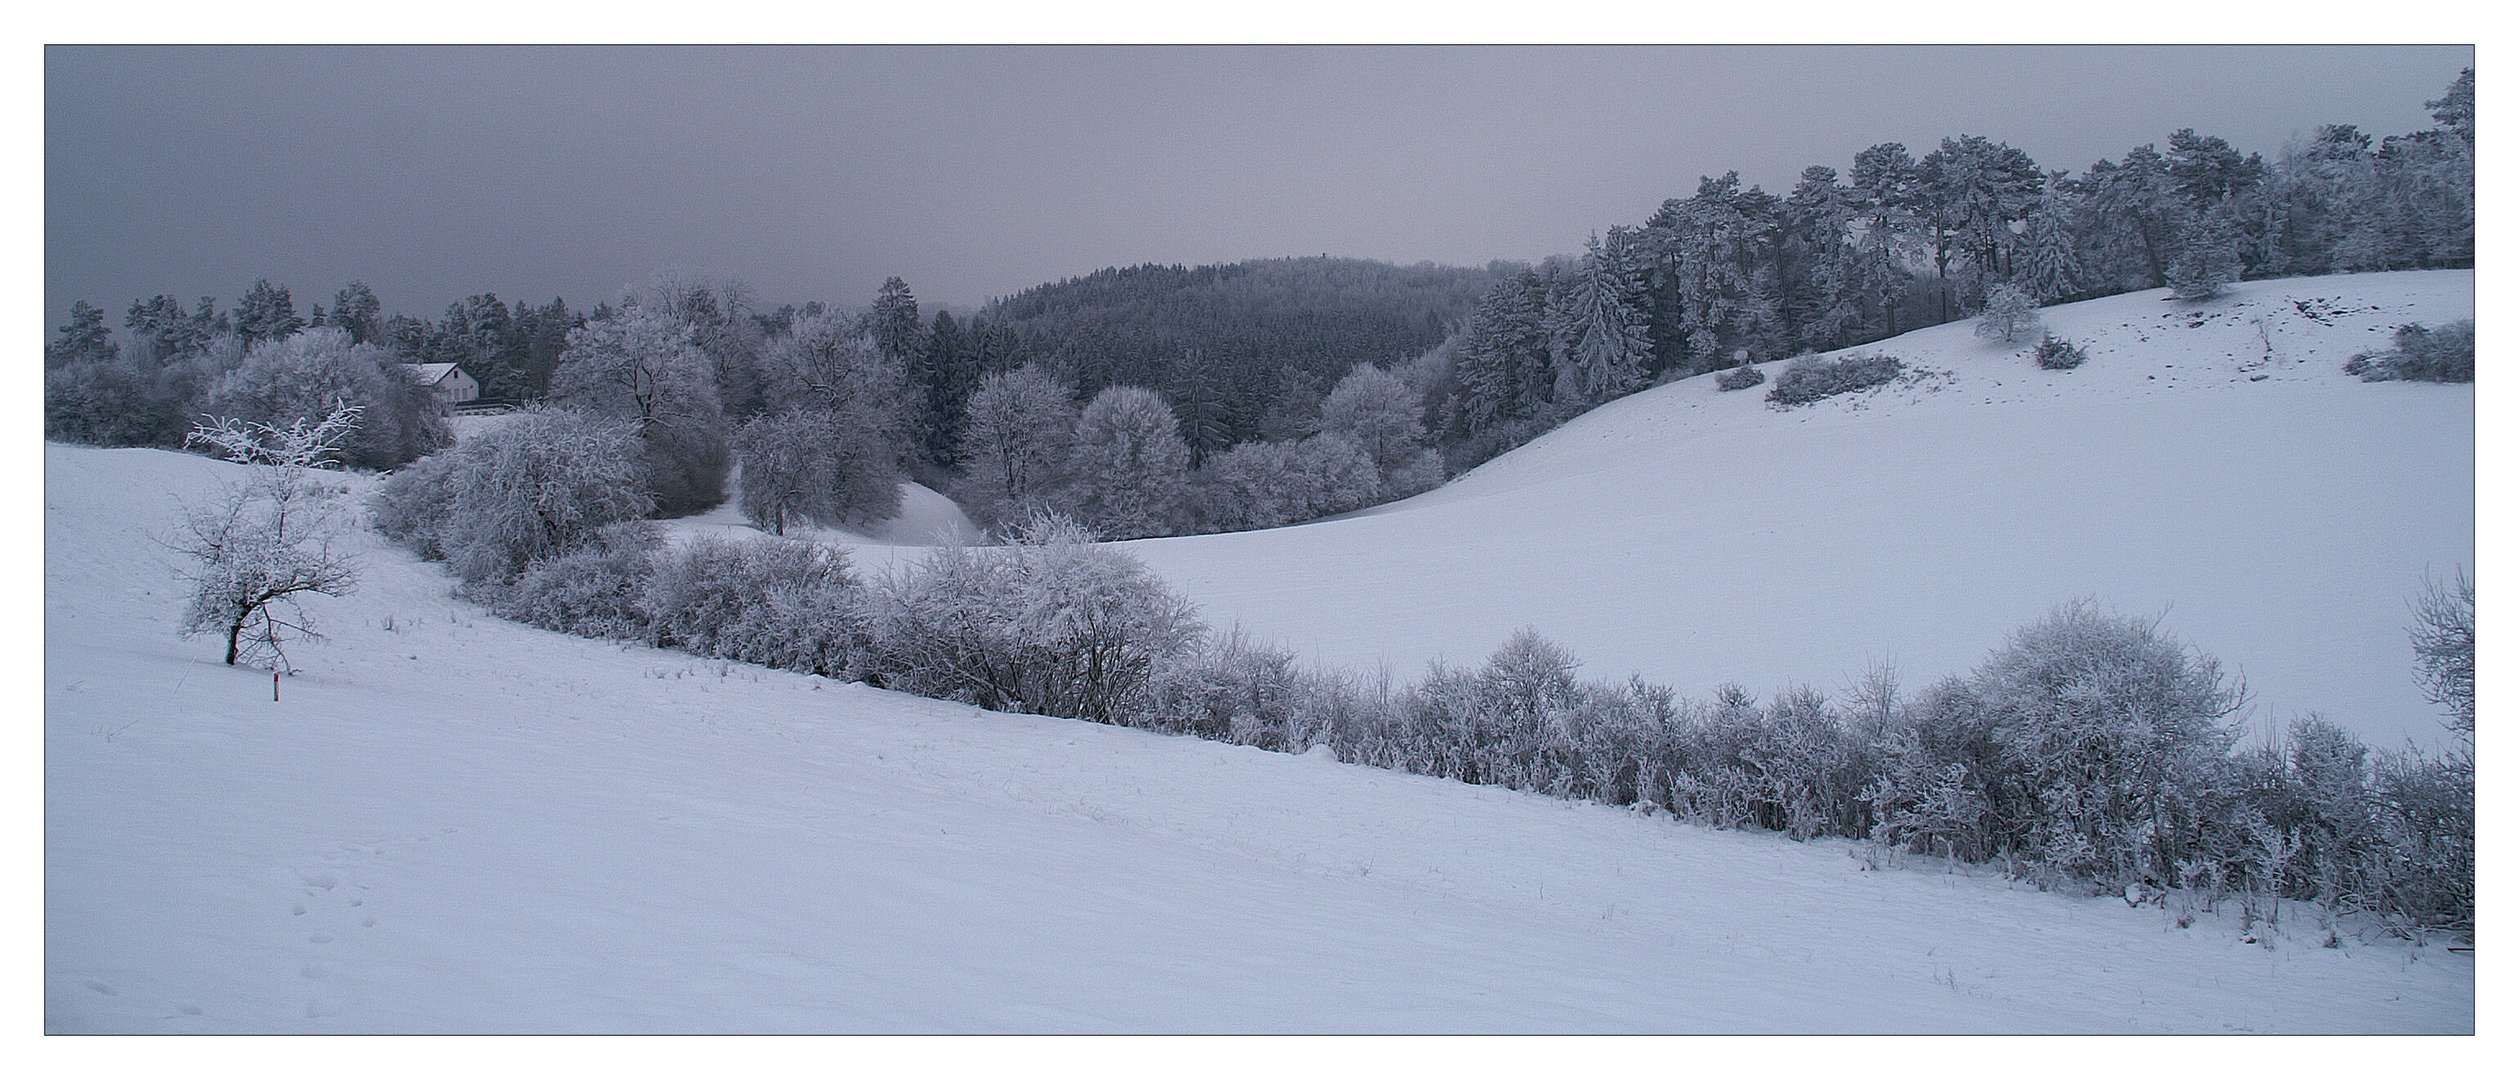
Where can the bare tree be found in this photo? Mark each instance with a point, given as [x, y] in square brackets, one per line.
[267, 540]
[2444, 648]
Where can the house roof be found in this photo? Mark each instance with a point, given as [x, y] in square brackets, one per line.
[431, 374]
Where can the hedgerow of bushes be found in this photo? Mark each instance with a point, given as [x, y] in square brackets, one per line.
[2089, 751]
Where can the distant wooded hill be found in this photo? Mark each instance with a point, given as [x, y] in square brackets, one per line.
[1264, 339]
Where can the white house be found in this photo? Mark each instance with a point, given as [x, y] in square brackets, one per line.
[450, 384]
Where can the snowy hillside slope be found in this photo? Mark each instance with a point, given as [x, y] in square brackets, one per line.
[2211, 464]
[451, 823]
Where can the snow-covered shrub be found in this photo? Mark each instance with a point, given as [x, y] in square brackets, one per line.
[2010, 311]
[538, 485]
[1938, 756]
[593, 590]
[1808, 378]
[2427, 869]
[1740, 378]
[411, 506]
[1048, 623]
[2114, 744]
[1233, 689]
[2056, 354]
[2422, 354]
[780, 603]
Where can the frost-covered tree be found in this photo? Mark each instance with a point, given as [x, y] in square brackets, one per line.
[2207, 260]
[1380, 414]
[1262, 485]
[1251, 486]
[2135, 223]
[809, 466]
[1130, 466]
[1609, 345]
[266, 541]
[1018, 436]
[1718, 247]
[2444, 648]
[1973, 193]
[717, 313]
[1503, 364]
[824, 361]
[894, 323]
[2010, 312]
[1883, 186]
[266, 314]
[641, 365]
[304, 376]
[1822, 288]
[2048, 266]
[1204, 404]
[356, 309]
[164, 330]
[83, 338]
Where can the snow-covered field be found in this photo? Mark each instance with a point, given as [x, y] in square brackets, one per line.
[450, 823]
[2212, 465]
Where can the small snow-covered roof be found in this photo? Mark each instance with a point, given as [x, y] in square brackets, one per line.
[430, 374]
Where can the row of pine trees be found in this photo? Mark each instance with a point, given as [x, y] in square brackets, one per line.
[1734, 275]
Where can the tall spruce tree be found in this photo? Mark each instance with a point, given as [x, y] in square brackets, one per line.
[83, 339]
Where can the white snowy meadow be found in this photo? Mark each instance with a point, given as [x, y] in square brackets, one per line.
[449, 822]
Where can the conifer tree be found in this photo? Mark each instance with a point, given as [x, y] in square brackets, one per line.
[2048, 268]
[83, 339]
[356, 309]
[266, 314]
[1609, 347]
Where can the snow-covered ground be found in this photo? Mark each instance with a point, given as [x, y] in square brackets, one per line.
[451, 823]
[2210, 464]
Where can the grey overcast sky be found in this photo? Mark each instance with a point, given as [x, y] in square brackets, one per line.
[813, 173]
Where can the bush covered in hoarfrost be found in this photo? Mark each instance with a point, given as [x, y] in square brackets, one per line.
[1048, 623]
[1740, 378]
[540, 485]
[1809, 378]
[2056, 354]
[2422, 354]
[593, 590]
[780, 603]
